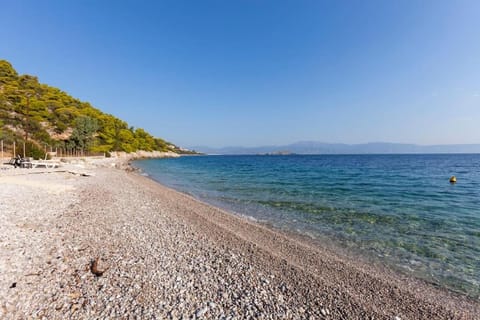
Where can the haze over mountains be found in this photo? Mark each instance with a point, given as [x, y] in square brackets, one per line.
[313, 147]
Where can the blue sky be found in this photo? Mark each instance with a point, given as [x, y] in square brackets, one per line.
[252, 73]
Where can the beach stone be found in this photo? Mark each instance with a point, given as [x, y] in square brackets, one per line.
[201, 312]
[168, 255]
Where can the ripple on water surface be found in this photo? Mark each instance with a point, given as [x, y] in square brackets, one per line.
[400, 208]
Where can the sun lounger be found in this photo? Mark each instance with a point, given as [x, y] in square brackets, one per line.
[48, 164]
[11, 162]
[19, 162]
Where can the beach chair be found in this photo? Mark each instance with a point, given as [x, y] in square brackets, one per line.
[11, 162]
[26, 163]
[20, 162]
[48, 164]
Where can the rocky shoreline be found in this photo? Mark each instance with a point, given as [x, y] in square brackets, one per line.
[114, 244]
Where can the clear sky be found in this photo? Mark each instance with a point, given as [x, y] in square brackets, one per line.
[256, 72]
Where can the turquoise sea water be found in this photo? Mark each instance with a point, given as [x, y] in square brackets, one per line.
[397, 209]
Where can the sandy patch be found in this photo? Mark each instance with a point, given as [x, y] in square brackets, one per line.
[46, 185]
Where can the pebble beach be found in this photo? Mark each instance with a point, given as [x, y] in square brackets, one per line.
[100, 241]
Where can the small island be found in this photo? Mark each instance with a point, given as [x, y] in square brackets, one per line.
[279, 153]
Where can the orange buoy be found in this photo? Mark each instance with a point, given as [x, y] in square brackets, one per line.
[453, 179]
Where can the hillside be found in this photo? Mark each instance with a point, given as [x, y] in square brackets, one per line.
[41, 116]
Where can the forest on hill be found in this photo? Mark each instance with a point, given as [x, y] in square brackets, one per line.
[40, 115]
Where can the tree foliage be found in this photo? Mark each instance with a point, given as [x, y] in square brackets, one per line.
[35, 112]
[83, 133]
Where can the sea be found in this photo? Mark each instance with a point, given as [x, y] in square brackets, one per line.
[397, 210]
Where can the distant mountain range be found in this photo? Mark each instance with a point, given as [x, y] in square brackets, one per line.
[313, 147]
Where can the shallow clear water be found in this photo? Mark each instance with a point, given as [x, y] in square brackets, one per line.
[398, 209]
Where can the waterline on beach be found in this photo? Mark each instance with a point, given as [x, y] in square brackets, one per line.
[398, 209]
